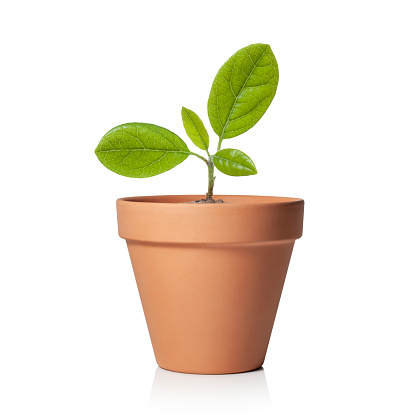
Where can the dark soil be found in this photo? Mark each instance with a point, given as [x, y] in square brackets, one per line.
[208, 201]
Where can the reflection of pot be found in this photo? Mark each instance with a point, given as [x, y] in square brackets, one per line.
[210, 276]
[193, 394]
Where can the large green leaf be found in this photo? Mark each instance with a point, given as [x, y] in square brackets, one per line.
[140, 150]
[242, 90]
[234, 162]
[195, 129]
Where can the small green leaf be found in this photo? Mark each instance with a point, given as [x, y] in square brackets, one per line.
[242, 90]
[195, 129]
[234, 162]
[140, 150]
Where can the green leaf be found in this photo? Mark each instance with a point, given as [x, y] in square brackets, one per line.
[195, 129]
[242, 90]
[234, 162]
[140, 150]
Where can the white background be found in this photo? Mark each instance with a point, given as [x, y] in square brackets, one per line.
[339, 134]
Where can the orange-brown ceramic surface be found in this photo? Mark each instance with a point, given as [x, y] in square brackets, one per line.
[210, 276]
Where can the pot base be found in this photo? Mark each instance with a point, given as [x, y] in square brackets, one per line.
[211, 373]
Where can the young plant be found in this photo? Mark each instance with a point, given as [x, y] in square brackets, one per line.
[241, 92]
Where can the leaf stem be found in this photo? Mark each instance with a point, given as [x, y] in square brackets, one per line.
[219, 143]
[201, 157]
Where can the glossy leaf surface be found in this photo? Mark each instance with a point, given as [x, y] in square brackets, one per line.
[234, 162]
[140, 150]
[242, 90]
[195, 129]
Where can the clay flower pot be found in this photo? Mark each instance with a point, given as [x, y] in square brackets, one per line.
[210, 276]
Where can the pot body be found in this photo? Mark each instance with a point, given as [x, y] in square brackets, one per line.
[210, 277]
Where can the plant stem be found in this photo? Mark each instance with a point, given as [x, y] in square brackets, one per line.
[211, 178]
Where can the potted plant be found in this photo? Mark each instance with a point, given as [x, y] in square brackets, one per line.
[209, 269]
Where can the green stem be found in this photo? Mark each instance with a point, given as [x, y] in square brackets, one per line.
[201, 157]
[219, 143]
[211, 178]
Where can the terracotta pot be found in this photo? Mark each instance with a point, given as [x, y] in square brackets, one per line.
[210, 276]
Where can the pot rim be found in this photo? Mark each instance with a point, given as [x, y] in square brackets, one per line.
[247, 218]
[233, 200]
